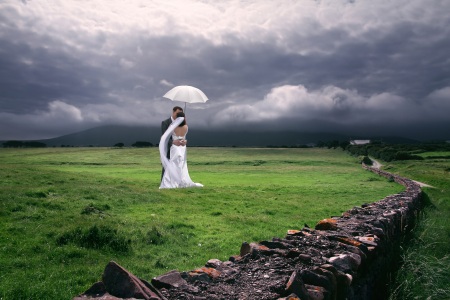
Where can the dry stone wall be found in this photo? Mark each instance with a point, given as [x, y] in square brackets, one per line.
[345, 257]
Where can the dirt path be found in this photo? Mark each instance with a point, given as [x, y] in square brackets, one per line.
[377, 165]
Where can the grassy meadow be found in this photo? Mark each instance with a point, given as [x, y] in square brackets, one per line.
[426, 259]
[66, 212]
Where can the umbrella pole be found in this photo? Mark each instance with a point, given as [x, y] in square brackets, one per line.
[185, 107]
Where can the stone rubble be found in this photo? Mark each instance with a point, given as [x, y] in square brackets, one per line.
[346, 257]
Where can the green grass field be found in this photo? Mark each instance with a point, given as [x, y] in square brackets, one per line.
[424, 274]
[66, 212]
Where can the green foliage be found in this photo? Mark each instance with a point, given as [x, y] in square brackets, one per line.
[426, 260]
[20, 144]
[390, 152]
[366, 160]
[334, 144]
[96, 237]
[93, 209]
[142, 144]
[155, 236]
[36, 194]
[423, 274]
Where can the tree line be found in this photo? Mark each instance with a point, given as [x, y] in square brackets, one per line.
[20, 144]
[392, 152]
[34, 144]
[388, 151]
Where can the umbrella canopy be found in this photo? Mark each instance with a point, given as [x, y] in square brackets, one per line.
[187, 94]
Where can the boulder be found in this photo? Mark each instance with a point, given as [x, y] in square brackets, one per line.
[121, 283]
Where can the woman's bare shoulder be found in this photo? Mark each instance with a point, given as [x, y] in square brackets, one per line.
[181, 130]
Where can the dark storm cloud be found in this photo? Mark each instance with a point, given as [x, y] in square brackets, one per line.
[323, 65]
[37, 68]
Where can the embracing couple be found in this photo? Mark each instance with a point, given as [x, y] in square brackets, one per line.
[172, 150]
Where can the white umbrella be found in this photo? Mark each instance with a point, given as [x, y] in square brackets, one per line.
[186, 94]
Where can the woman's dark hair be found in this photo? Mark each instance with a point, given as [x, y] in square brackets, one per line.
[181, 114]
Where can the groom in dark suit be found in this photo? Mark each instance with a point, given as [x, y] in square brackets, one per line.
[164, 125]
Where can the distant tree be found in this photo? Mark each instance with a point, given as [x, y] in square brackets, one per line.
[320, 144]
[366, 160]
[34, 145]
[333, 144]
[119, 145]
[13, 144]
[141, 144]
[344, 144]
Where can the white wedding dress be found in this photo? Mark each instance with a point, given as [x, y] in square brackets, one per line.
[176, 173]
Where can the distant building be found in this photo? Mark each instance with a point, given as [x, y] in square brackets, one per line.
[359, 142]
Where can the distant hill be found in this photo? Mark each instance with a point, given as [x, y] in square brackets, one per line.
[106, 136]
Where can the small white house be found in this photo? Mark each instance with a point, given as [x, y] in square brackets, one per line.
[359, 142]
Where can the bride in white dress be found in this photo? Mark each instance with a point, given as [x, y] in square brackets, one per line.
[176, 173]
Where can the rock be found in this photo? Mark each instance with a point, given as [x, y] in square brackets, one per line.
[290, 297]
[305, 258]
[211, 272]
[96, 291]
[275, 245]
[293, 253]
[104, 296]
[343, 281]
[253, 248]
[235, 258]
[294, 232]
[346, 262]
[316, 292]
[121, 283]
[331, 277]
[316, 279]
[358, 251]
[213, 263]
[296, 286]
[326, 224]
[345, 240]
[169, 280]
[193, 277]
[371, 241]
[245, 249]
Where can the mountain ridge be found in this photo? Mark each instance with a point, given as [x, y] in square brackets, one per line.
[109, 135]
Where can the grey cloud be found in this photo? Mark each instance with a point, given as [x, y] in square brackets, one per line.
[360, 73]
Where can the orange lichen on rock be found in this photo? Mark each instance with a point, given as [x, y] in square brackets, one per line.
[326, 224]
[211, 272]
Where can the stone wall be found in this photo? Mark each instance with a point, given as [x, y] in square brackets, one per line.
[347, 257]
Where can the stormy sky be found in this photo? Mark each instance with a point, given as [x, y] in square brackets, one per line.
[357, 67]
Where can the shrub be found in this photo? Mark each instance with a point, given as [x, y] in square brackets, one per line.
[92, 209]
[155, 236]
[366, 160]
[96, 237]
